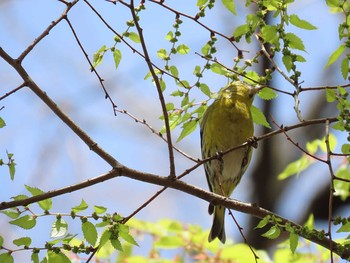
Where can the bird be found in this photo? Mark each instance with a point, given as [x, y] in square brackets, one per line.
[226, 123]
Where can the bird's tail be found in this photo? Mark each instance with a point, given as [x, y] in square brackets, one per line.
[218, 228]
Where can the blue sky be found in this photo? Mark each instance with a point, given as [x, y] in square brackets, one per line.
[50, 156]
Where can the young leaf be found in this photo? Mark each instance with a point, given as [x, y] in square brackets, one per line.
[35, 257]
[134, 37]
[1, 241]
[205, 89]
[296, 21]
[218, 69]
[2, 123]
[57, 257]
[293, 241]
[230, 6]
[161, 53]
[44, 204]
[183, 49]
[98, 56]
[100, 209]
[344, 67]
[174, 71]
[12, 213]
[259, 117]
[263, 222]
[335, 55]
[295, 42]
[6, 258]
[59, 228]
[117, 55]
[116, 244]
[288, 62]
[330, 95]
[295, 167]
[23, 241]
[241, 30]
[187, 128]
[83, 205]
[25, 222]
[128, 238]
[201, 2]
[267, 94]
[90, 232]
[272, 233]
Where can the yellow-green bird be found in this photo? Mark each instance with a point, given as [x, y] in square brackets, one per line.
[226, 123]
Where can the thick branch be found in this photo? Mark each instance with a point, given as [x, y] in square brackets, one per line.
[215, 199]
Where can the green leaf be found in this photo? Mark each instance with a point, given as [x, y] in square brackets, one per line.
[218, 69]
[44, 204]
[35, 257]
[345, 149]
[183, 49]
[201, 2]
[1, 241]
[269, 34]
[263, 222]
[19, 197]
[134, 37]
[2, 123]
[205, 89]
[296, 21]
[251, 77]
[12, 213]
[241, 30]
[344, 228]
[59, 228]
[116, 244]
[288, 62]
[99, 209]
[23, 241]
[6, 258]
[295, 42]
[342, 188]
[83, 206]
[293, 241]
[128, 238]
[259, 117]
[53, 257]
[90, 232]
[205, 49]
[333, 3]
[169, 35]
[174, 71]
[230, 6]
[161, 53]
[345, 67]
[117, 55]
[272, 233]
[330, 95]
[295, 167]
[267, 94]
[98, 56]
[25, 222]
[104, 238]
[335, 55]
[187, 129]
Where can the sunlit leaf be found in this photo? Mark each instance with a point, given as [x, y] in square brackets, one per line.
[296, 21]
[259, 117]
[230, 6]
[335, 55]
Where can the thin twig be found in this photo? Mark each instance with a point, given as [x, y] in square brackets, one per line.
[47, 30]
[297, 144]
[13, 91]
[91, 66]
[331, 191]
[144, 122]
[159, 90]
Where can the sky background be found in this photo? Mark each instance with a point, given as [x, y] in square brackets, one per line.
[50, 156]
